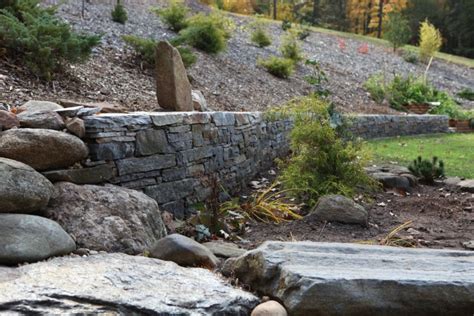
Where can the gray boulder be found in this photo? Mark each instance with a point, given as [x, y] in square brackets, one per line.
[8, 120]
[44, 119]
[392, 181]
[466, 185]
[42, 149]
[92, 175]
[108, 218]
[350, 279]
[338, 208]
[22, 189]
[183, 251]
[269, 308]
[172, 85]
[29, 238]
[224, 249]
[118, 284]
[39, 106]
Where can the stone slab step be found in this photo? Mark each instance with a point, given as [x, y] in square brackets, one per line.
[351, 279]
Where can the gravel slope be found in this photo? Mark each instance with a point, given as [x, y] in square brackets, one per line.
[229, 81]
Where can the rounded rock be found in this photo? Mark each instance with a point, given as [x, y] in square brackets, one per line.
[269, 308]
[29, 238]
[22, 189]
[42, 149]
[338, 208]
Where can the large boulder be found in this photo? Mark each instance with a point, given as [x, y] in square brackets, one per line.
[8, 120]
[108, 218]
[118, 284]
[338, 208]
[39, 106]
[183, 251]
[172, 85]
[29, 238]
[466, 185]
[43, 119]
[393, 177]
[313, 278]
[22, 189]
[42, 149]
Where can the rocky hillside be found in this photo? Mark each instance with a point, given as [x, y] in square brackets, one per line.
[230, 81]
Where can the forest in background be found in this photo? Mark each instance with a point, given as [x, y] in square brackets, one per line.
[454, 18]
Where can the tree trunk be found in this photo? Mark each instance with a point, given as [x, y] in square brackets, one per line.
[315, 11]
[379, 29]
[275, 2]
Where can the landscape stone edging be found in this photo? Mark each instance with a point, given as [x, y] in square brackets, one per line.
[169, 154]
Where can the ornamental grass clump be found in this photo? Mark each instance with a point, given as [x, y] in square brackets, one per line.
[323, 162]
[175, 15]
[259, 35]
[119, 14]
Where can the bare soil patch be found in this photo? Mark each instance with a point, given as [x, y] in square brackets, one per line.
[442, 217]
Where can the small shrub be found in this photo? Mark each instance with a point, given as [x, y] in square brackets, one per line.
[317, 77]
[146, 50]
[290, 48]
[363, 49]
[174, 16]
[427, 170]
[397, 30]
[322, 161]
[259, 34]
[376, 87]
[279, 67]
[285, 25]
[467, 94]
[208, 33]
[40, 40]
[430, 41]
[119, 14]
[303, 32]
[410, 57]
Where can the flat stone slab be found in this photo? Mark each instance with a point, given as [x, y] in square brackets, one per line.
[350, 279]
[118, 284]
[466, 185]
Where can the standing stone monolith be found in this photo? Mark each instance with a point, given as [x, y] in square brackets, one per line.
[172, 85]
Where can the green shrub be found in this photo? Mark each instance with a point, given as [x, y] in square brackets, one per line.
[119, 14]
[397, 30]
[279, 67]
[290, 48]
[174, 15]
[376, 87]
[427, 171]
[285, 25]
[40, 40]
[322, 162]
[410, 57]
[146, 50]
[208, 33]
[259, 34]
[467, 94]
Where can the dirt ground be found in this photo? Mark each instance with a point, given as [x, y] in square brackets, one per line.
[442, 217]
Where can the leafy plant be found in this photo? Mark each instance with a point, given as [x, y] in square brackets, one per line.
[259, 34]
[146, 50]
[285, 25]
[317, 78]
[277, 66]
[119, 14]
[466, 93]
[322, 161]
[208, 33]
[303, 31]
[266, 206]
[376, 87]
[397, 30]
[430, 41]
[410, 57]
[427, 170]
[174, 16]
[40, 40]
[290, 48]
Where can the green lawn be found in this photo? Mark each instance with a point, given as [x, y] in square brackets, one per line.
[456, 150]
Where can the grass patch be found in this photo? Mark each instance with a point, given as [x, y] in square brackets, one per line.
[456, 150]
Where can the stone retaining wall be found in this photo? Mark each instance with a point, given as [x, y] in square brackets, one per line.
[169, 155]
[378, 126]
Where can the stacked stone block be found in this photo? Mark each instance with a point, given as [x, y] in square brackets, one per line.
[170, 155]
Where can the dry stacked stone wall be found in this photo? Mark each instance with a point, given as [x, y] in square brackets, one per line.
[170, 156]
